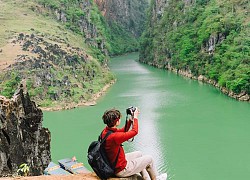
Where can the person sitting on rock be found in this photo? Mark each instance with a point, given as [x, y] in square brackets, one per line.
[130, 163]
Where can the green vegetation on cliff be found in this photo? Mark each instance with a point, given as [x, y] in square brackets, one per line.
[126, 20]
[121, 41]
[208, 37]
[103, 34]
[54, 62]
[61, 47]
[83, 18]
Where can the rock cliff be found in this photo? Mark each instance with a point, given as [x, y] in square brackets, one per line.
[129, 14]
[22, 137]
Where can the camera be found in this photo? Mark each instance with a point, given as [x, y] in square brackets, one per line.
[130, 110]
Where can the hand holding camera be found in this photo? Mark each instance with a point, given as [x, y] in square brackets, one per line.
[133, 111]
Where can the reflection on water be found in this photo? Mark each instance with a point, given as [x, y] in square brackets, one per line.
[148, 139]
[147, 99]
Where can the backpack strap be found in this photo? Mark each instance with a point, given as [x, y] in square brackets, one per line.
[103, 140]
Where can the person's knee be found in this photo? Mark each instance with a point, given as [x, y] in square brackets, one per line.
[149, 159]
[138, 153]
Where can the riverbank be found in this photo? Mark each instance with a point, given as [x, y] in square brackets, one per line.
[242, 96]
[72, 105]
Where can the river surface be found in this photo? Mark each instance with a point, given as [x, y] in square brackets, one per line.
[193, 131]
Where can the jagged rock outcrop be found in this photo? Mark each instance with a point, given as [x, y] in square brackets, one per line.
[22, 137]
[214, 40]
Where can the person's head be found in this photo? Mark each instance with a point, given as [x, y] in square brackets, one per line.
[110, 117]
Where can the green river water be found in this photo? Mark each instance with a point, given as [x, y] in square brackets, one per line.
[193, 131]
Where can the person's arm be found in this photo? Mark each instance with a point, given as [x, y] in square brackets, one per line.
[121, 137]
[124, 136]
[127, 127]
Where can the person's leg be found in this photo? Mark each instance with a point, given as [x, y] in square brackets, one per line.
[139, 165]
[151, 170]
[144, 174]
[132, 155]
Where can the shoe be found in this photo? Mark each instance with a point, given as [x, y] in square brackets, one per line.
[163, 176]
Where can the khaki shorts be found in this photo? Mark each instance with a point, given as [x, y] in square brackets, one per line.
[138, 163]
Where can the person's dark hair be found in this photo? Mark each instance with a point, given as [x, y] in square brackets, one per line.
[110, 117]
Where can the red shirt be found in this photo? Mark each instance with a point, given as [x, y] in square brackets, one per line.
[114, 141]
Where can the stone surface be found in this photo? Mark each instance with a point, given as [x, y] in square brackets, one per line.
[89, 176]
[22, 137]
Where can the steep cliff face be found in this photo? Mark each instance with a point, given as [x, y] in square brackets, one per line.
[22, 137]
[129, 14]
[201, 39]
[126, 20]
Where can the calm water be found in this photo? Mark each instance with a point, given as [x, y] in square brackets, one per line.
[193, 131]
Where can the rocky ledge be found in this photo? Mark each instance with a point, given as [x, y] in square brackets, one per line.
[89, 176]
[22, 137]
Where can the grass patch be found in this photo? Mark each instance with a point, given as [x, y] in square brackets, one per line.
[18, 16]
